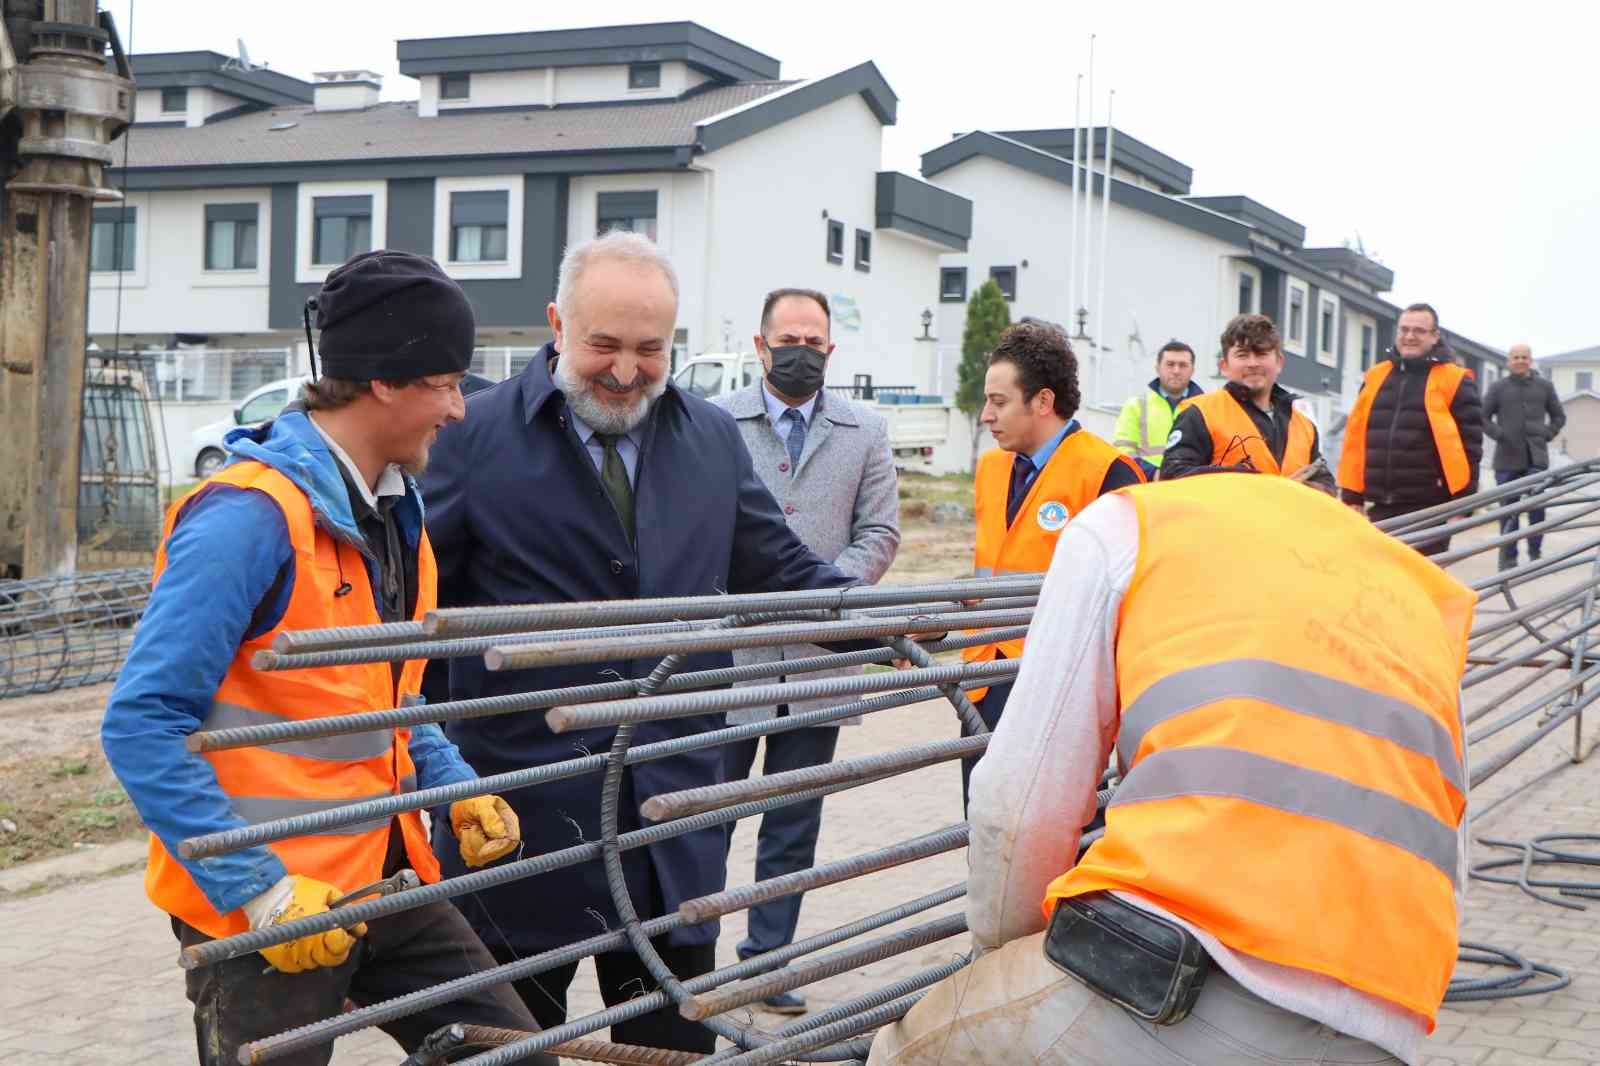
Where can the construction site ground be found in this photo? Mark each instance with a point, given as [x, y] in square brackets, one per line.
[90, 966]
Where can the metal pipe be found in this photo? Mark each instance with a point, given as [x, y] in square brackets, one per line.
[705, 908]
[484, 621]
[231, 840]
[685, 802]
[744, 993]
[1101, 333]
[657, 708]
[536, 656]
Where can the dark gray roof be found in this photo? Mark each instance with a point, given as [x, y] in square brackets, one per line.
[1351, 262]
[392, 131]
[1171, 176]
[170, 70]
[1257, 214]
[593, 45]
[1577, 355]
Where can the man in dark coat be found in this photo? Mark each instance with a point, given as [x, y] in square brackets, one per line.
[1401, 462]
[1522, 414]
[591, 477]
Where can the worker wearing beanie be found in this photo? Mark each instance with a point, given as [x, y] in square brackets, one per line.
[315, 522]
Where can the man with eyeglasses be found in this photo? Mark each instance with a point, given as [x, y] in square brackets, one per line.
[1415, 435]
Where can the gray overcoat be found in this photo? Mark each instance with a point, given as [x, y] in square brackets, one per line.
[843, 502]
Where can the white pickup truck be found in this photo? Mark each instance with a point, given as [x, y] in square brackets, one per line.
[917, 424]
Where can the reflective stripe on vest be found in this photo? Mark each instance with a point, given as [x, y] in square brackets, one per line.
[1291, 730]
[306, 776]
[1444, 380]
[1142, 447]
[1069, 482]
[1235, 436]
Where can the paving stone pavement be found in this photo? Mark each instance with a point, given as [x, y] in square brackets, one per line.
[88, 973]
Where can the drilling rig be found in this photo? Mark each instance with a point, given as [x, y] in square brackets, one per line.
[61, 105]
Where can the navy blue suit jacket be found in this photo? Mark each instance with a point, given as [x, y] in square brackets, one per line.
[517, 514]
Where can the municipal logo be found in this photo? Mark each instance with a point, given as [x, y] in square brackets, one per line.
[1174, 437]
[1052, 515]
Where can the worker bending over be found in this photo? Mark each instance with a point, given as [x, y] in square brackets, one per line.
[1281, 685]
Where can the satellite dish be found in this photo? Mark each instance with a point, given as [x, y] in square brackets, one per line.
[242, 62]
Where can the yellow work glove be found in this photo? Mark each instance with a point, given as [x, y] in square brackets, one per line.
[486, 828]
[301, 898]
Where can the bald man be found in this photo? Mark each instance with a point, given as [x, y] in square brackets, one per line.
[1522, 414]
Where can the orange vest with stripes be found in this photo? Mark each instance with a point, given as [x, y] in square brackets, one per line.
[1292, 736]
[1443, 381]
[1235, 437]
[301, 777]
[1069, 482]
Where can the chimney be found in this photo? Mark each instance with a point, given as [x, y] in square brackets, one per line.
[345, 90]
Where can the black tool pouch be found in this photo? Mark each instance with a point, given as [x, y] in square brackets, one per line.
[1146, 964]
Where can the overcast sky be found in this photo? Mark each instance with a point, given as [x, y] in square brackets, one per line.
[1459, 141]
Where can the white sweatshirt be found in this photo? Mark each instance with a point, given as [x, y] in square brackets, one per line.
[1034, 788]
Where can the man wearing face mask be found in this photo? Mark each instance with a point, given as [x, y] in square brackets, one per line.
[590, 476]
[828, 463]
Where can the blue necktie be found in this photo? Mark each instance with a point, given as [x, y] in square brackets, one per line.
[1021, 470]
[796, 440]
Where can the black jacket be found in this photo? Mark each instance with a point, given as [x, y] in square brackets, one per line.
[1514, 416]
[1190, 445]
[1403, 467]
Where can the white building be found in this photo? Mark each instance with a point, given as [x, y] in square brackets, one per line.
[245, 187]
[1574, 371]
[1176, 266]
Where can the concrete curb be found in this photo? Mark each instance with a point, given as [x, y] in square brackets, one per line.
[65, 869]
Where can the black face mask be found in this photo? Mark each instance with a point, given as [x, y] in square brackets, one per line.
[797, 370]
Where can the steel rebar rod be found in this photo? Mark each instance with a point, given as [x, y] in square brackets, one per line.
[797, 975]
[1403, 523]
[1485, 673]
[535, 656]
[1490, 626]
[1539, 529]
[1544, 699]
[1481, 772]
[704, 908]
[214, 951]
[365, 1017]
[1481, 515]
[231, 840]
[780, 1050]
[685, 802]
[565, 719]
[484, 621]
[1536, 567]
[1522, 685]
[510, 703]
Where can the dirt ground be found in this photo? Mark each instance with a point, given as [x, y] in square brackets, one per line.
[59, 795]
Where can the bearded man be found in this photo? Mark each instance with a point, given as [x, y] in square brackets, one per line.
[592, 477]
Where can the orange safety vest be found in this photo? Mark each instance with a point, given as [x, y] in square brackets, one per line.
[1443, 381]
[1234, 436]
[1291, 731]
[1069, 482]
[301, 777]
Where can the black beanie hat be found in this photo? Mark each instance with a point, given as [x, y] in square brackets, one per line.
[391, 316]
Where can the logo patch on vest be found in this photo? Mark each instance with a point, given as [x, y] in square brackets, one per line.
[1174, 437]
[1052, 515]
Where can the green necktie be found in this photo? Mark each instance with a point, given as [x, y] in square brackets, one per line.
[614, 476]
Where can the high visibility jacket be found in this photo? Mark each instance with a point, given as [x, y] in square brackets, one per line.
[1234, 437]
[301, 777]
[1289, 682]
[1443, 381]
[1069, 482]
[1144, 426]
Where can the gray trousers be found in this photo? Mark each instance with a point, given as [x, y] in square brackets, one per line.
[1013, 1006]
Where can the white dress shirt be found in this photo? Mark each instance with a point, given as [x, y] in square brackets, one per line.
[776, 408]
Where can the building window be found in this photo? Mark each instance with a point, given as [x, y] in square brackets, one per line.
[1367, 339]
[1295, 318]
[863, 250]
[1325, 327]
[634, 212]
[644, 75]
[1006, 278]
[455, 86]
[112, 240]
[231, 236]
[1247, 293]
[1585, 380]
[953, 284]
[835, 242]
[343, 228]
[478, 226]
[174, 101]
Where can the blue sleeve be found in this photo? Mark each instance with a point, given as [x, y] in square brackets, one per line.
[437, 760]
[1119, 475]
[222, 584]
